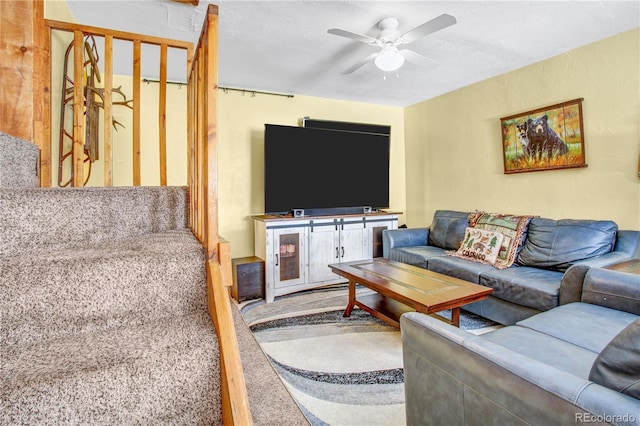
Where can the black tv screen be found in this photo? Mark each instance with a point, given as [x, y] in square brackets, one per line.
[310, 168]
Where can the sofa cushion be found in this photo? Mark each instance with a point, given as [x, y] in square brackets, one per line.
[458, 268]
[416, 255]
[544, 348]
[479, 245]
[447, 229]
[511, 226]
[500, 311]
[618, 365]
[532, 287]
[556, 244]
[589, 326]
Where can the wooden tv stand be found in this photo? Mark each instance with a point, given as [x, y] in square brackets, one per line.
[298, 251]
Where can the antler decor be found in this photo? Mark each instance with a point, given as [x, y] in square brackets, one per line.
[93, 101]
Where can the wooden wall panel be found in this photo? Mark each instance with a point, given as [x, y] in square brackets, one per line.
[42, 98]
[24, 82]
[16, 68]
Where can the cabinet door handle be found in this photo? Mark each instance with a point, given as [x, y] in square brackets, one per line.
[342, 251]
[337, 253]
[277, 260]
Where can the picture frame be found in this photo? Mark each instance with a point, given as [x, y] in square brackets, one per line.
[548, 138]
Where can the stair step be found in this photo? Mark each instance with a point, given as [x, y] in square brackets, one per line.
[18, 162]
[166, 371]
[103, 315]
[47, 294]
[36, 219]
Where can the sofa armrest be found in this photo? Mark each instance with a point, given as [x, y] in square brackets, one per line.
[612, 289]
[452, 377]
[573, 278]
[406, 237]
[627, 247]
[628, 242]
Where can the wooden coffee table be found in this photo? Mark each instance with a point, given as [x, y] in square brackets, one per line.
[401, 288]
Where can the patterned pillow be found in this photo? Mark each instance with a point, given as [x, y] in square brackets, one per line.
[512, 227]
[479, 246]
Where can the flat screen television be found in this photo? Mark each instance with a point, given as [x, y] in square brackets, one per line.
[324, 170]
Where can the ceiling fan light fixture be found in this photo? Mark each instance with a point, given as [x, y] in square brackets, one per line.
[389, 59]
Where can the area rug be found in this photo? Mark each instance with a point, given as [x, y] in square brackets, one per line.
[341, 371]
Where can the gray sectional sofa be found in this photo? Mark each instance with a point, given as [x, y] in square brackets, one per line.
[549, 269]
[575, 363]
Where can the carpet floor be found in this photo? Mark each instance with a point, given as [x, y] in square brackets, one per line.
[341, 371]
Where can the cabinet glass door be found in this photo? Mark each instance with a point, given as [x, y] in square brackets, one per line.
[375, 235]
[376, 239]
[289, 257]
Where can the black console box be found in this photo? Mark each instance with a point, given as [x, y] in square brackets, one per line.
[248, 278]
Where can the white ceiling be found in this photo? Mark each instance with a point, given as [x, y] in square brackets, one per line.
[284, 47]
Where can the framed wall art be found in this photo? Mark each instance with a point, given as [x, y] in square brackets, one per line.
[547, 138]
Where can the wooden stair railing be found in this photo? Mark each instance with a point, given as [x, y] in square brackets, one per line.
[203, 174]
[202, 70]
[138, 41]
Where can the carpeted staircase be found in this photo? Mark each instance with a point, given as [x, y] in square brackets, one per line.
[103, 312]
[103, 309]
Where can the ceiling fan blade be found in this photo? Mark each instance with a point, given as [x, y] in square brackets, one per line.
[418, 59]
[361, 63]
[436, 24]
[348, 34]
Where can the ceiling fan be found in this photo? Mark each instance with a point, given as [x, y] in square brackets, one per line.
[390, 58]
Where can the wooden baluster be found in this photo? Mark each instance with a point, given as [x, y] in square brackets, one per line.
[136, 112]
[162, 115]
[200, 169]
[44, 139]
[78, 110]
[211, 141]
[189, 147]
[108, 111]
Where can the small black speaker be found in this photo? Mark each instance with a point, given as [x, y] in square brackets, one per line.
[298, 213]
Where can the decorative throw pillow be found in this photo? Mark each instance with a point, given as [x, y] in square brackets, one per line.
[511, 226]
[479, 246]
[618, 365]
[557, 244]
[447, 229]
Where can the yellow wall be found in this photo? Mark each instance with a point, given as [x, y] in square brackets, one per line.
[58, 11]
[176, 125]
[454, 152]
[241, 120]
